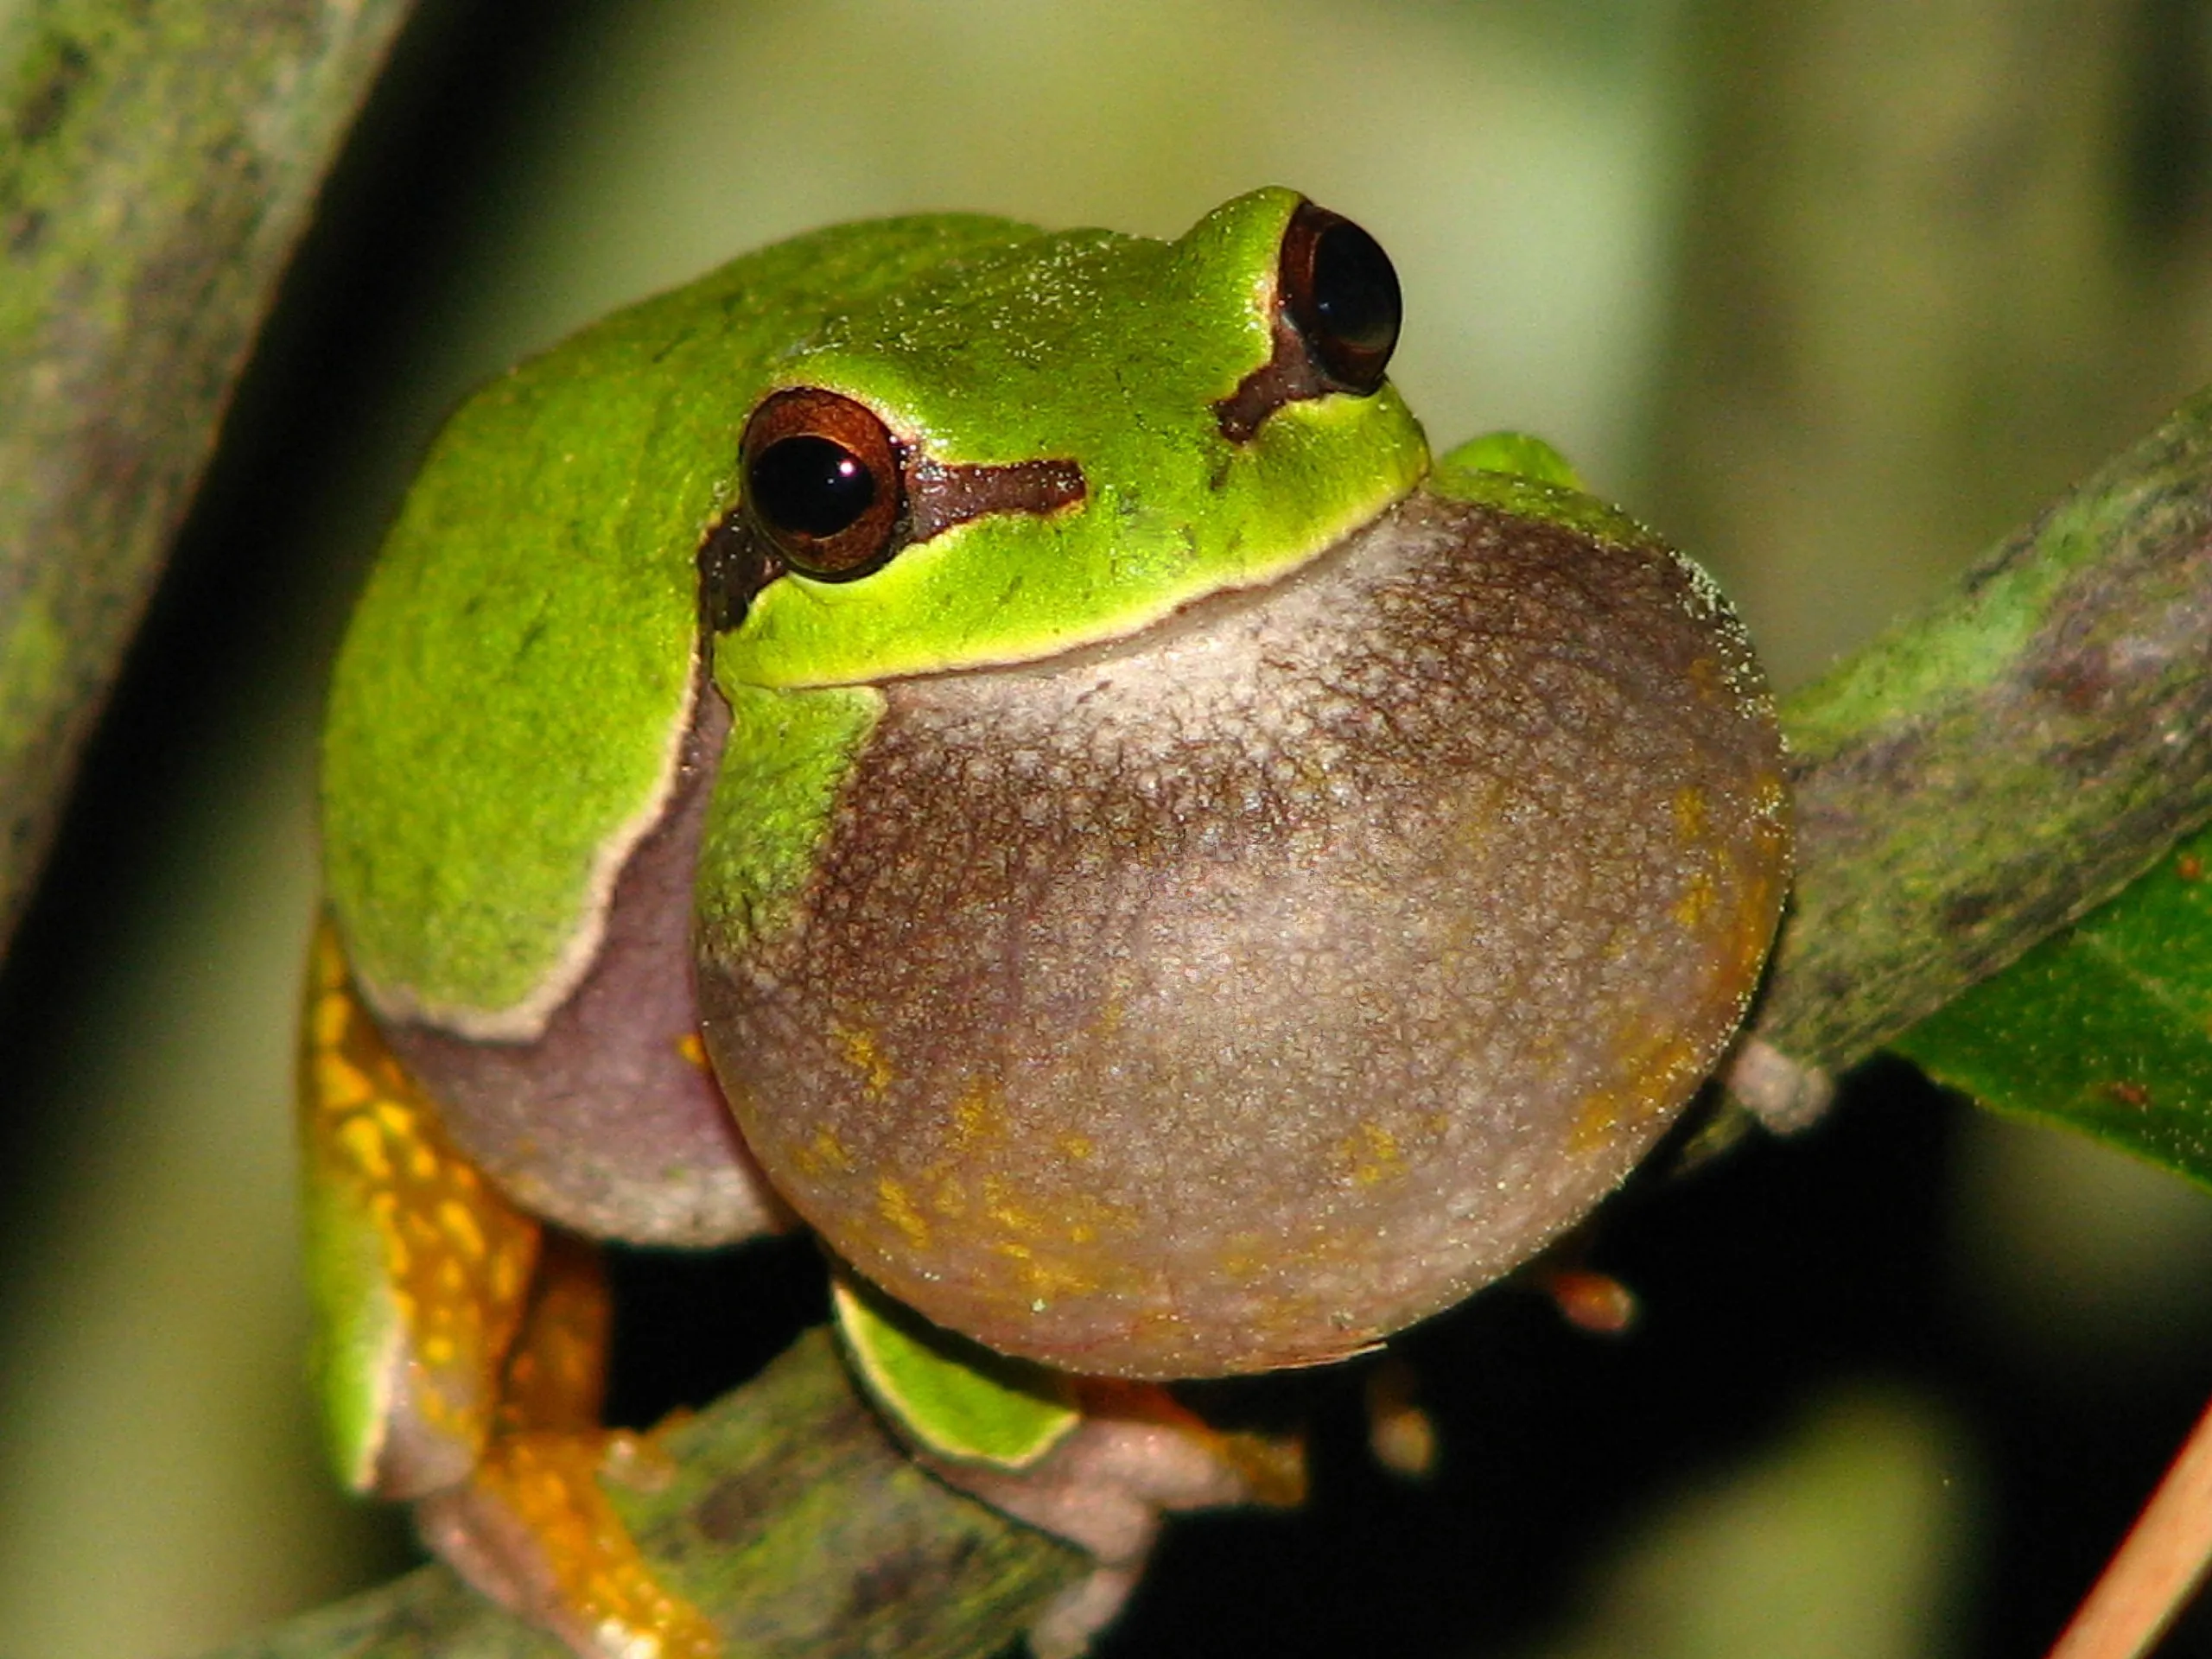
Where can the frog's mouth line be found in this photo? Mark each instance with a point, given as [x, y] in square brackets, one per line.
[1205, 613]
[1200, 615]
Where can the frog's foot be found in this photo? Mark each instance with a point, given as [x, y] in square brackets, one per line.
[1588, 1300]
[533, 1529]
[1136, 1455]
[1091, 1460]
[1785, 1096]
[1400, 1434]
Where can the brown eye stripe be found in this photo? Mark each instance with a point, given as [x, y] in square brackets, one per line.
[1289, 375]
[940, 497]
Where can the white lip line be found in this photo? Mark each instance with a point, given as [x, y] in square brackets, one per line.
[1192, 614]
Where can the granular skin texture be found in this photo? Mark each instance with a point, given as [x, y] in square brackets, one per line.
[1232, 997]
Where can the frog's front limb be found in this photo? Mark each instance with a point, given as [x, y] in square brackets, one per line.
[1095, 1461]
[1136, 1457]
[463, 1349]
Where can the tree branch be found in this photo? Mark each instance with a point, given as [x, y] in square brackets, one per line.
[1985, 773]
[792, 1518]
[161, 161]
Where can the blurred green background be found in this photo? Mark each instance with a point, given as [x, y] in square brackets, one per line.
[1833, 292]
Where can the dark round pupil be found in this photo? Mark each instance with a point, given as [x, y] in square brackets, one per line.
[1355, 290]
[809, 485]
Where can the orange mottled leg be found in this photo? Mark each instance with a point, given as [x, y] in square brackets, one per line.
[462, 1350]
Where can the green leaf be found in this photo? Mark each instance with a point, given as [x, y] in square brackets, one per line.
[2105, 1027]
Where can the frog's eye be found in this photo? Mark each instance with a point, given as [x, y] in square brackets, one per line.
[826, 492]
[1339, 289]
[1337, 314]
[823, 481]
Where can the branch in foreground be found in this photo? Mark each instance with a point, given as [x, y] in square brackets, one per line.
[161, 162]
[790, 1517]
[1974, 780]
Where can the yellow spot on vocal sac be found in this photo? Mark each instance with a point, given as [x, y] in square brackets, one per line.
[865, 1057]
[978, 1115]
[1709, 680]
[1242, 1260]
[1655, 1066]
[1045, 1276]
[1372, 1155]
[1001, 1206]
[1595, 1124]
[1695, 906]
[1690, 814]
[894, 1205]
[831, 1151]
[692, 1050]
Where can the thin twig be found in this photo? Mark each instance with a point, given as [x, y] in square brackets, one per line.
[2158, 1567]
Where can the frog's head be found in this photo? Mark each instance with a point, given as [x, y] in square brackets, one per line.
[1060, 443]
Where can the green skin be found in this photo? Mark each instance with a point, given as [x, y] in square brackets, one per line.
[530, 637]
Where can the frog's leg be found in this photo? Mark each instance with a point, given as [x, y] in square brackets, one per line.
[1094, 1460]
[463, 1350]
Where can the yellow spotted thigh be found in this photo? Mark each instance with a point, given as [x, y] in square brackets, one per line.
[462, 1346]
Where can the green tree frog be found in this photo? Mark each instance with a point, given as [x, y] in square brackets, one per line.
[1001, 746]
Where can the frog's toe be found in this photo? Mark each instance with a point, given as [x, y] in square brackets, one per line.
[533, 1530]
[1135, 1458]
[1105, 1487]
[1065, 1628]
